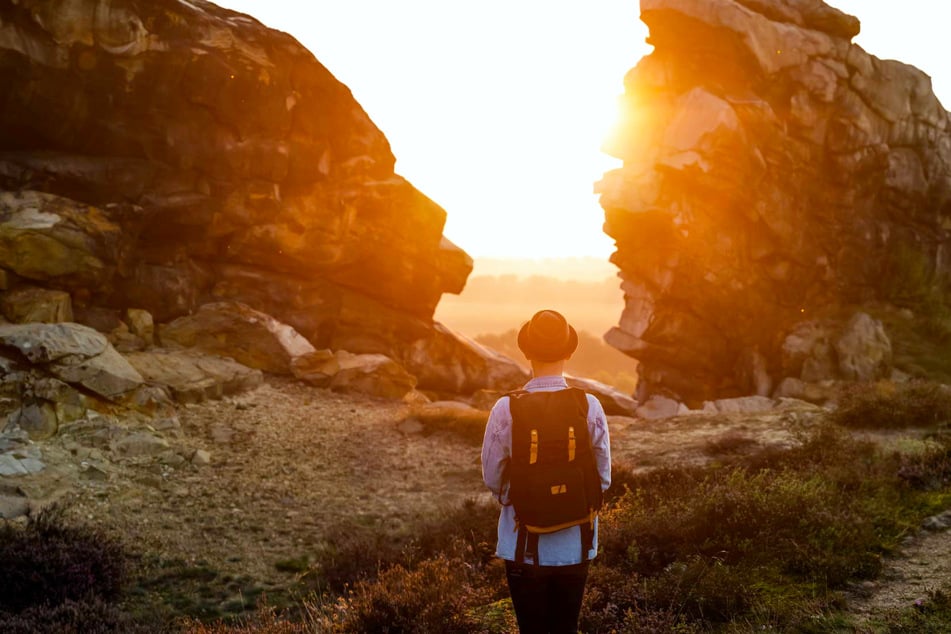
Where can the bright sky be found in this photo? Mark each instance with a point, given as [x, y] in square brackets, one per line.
[496, 109]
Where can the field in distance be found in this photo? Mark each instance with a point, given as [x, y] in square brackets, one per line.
[501, 295]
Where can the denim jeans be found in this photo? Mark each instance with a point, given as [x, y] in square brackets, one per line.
[547, 599]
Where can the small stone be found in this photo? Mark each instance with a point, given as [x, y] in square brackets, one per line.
[140, 444]
[13, 507]
[937, 523]
[10, 466]
[172, 459]
[89, 471]
[201, 458]
[411, 426]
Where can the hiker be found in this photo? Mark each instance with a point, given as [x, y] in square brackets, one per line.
[546, 457]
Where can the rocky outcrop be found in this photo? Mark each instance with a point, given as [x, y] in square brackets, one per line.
[774, 175]
[191, 376]
[236, 330]
[167, 154]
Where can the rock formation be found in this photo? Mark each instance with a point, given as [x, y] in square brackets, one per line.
[162, 155]
[775, 176]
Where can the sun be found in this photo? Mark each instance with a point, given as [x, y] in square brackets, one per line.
[498, 115]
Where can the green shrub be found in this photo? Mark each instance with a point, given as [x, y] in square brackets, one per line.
[763, 535]
[892, 406]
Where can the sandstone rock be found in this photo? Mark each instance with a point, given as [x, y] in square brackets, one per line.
[75, 354]
[192, 376]
[818, 393]
[48, 237]
[612, 400]
[42, 343]
[238, 331]
[448, 362]
[774, 175]
[105, 320]
[141, 324]
[807, 352]
[12, 507]
[107, 374]
[32, 304]
[125, 341]
[937, 523]
[38, 420]
[372, 374]
[658, 407]
[139, 444]
[201, 458]
[823, 350]
[863, 350]
[20, 463]
[741, 405]
[168, 154]
[317, 367]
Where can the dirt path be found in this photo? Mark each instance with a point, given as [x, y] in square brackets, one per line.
[921, 567]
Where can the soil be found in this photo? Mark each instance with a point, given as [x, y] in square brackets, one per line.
[291, 466]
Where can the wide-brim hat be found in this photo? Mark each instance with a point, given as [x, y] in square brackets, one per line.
[547, 337]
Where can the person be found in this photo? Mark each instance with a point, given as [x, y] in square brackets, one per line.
[547, 585]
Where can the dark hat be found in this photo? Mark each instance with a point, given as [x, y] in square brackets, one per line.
[547, 337]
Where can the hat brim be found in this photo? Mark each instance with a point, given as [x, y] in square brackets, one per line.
[533, 354]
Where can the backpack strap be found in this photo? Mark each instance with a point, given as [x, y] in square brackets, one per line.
[587, 538]
[526, 543]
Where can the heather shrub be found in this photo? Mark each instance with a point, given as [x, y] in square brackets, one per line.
[466, 532]
[91, 615]
[436, 597]
[49, 562]
[764, 536]
[887, 405]
[265, 620]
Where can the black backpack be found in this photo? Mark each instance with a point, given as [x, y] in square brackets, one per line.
[553, 478]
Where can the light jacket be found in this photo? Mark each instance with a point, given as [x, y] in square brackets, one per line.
[562, 548]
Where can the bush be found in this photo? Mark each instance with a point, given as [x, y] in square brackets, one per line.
[265, 620]
[435, 597]
[892, 406]
[467, 532]
[49, 563]
[88, 616]
[761, 536]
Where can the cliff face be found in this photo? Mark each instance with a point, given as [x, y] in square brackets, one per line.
[163, 154]
[774, 173]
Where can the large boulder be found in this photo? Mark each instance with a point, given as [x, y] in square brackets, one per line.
[236, 330]
[29, 304]
[449, 362]
[613, 401]
[371, 374]
[75, 354]
[775, 176]
[45, 237]
[162, 155]
[192, 376]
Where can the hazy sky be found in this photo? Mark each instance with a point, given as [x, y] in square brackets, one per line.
[496, 109]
